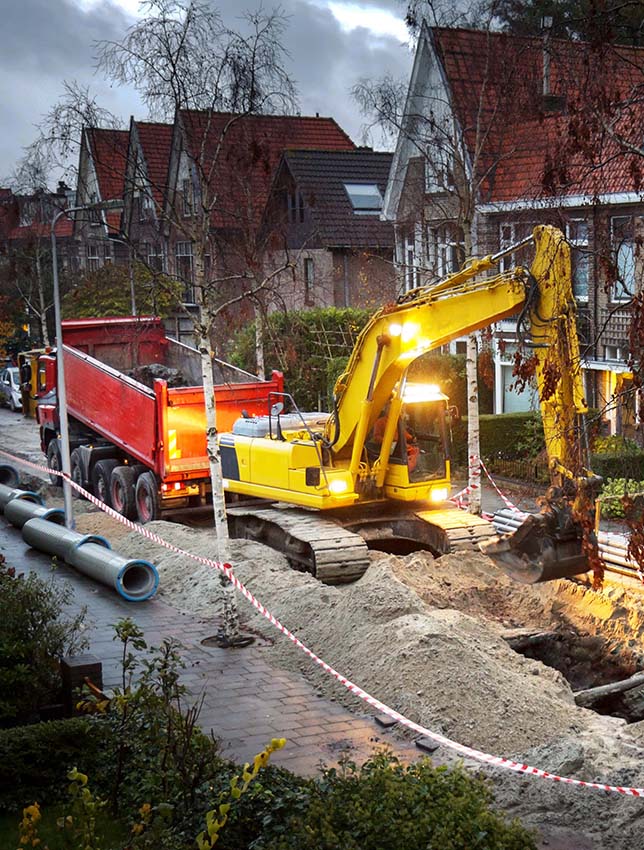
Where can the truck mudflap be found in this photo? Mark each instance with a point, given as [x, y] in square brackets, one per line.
[545, 547]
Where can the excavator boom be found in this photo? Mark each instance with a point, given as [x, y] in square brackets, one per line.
[378, 465]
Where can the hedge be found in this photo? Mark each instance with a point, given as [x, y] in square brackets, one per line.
[617, 465]
[34, 760]
[511, 435]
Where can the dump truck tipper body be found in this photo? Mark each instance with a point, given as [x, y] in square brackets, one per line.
[125, 419]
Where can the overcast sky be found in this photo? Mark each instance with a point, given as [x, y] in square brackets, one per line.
[333, 43]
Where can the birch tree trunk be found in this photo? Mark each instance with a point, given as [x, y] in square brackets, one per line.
[42, 317]
[230, 627]
[259, 342]
[473, 447]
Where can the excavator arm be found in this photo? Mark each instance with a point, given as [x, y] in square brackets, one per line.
[551, 545]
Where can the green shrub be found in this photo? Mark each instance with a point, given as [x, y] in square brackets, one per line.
[34, 760]
[617, 465]
[302, 343]
[387, 806]
[34, 636]
[613, 491]
[508, 435]
[615, 445]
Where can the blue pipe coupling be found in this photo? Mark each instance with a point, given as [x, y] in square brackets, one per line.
[7, 494]
[22, 508]
[134, 579]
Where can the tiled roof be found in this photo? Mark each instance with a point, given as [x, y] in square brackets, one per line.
[320, 176]
[251, 147]
[42, 230]
[109, 152]
[529, 150]
[156, 141]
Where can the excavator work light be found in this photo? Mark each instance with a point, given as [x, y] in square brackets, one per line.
[438, 494]
[338, 486]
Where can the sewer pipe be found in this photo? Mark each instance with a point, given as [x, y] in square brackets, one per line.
[20, 509]
[134, 579]
[9, 475]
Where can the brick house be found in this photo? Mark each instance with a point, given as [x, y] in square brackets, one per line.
[489, 145]
[101, 176]
[25, 252]
[325, 211]
[236, 156]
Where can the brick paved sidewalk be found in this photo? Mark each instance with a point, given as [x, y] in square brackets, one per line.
[246, 701]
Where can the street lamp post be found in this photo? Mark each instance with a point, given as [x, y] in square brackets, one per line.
[60, 367]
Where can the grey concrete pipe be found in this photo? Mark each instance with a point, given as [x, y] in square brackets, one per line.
[9, 475]
[134, 579]
[53, 538]
[21, 509]
[7, 494]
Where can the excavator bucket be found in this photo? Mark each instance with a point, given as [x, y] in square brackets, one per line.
[546, 546]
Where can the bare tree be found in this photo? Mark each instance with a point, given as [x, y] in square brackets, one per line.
[215, 81]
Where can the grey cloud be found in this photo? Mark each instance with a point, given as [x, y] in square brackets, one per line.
[45, 42]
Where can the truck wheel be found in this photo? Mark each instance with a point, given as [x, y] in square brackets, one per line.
[122, 491]
[147, 498]
[76, 466]
[101, 478]
[54, 462]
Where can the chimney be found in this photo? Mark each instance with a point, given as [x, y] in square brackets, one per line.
[546, 29]
[551, 102]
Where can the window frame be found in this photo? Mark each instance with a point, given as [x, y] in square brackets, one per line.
[187, 280]
[615, 249]
[363, 210]
[579, 248]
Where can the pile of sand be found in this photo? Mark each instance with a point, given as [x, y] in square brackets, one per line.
[426, 637]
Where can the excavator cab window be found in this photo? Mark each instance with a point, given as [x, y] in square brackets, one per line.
[423, 431]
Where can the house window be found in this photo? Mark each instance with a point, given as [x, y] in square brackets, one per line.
[623, 248]
[308, 280]
[295, 207]
[155, 257]
[94, 261]
[510, 233]
[94, 215]
[183, 254]
[439, 167]
[577, 235]
[410, 271]
[445, 249]
[187, 200]
[365, 198]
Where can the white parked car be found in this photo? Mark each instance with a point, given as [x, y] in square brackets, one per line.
[10, 388]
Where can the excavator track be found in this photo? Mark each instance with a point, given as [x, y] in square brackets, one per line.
[309, 542]
[335, 549]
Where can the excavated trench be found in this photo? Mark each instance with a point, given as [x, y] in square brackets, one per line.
[590, 663]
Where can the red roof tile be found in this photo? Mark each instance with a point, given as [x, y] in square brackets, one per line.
[42, 230]
[529, 150]
[156, 141]
[109, 152]
[243, 152]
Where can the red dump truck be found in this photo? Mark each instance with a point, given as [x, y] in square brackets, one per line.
[137, 440]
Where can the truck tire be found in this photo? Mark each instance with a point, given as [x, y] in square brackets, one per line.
[122, 491]
[76, 471]
[147, 498]
[54, 462]
[101, 480]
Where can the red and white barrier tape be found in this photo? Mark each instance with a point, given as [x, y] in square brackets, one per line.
[505, 499]
[462, 749]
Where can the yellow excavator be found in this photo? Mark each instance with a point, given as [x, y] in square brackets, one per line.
[375, 472]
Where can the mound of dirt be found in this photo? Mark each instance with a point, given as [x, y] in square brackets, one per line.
[427, 637]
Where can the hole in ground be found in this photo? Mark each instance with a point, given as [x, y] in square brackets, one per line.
[589, 662]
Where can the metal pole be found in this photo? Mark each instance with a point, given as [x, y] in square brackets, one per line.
[60, 381]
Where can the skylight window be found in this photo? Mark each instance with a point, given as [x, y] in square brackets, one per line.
[365, 198]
